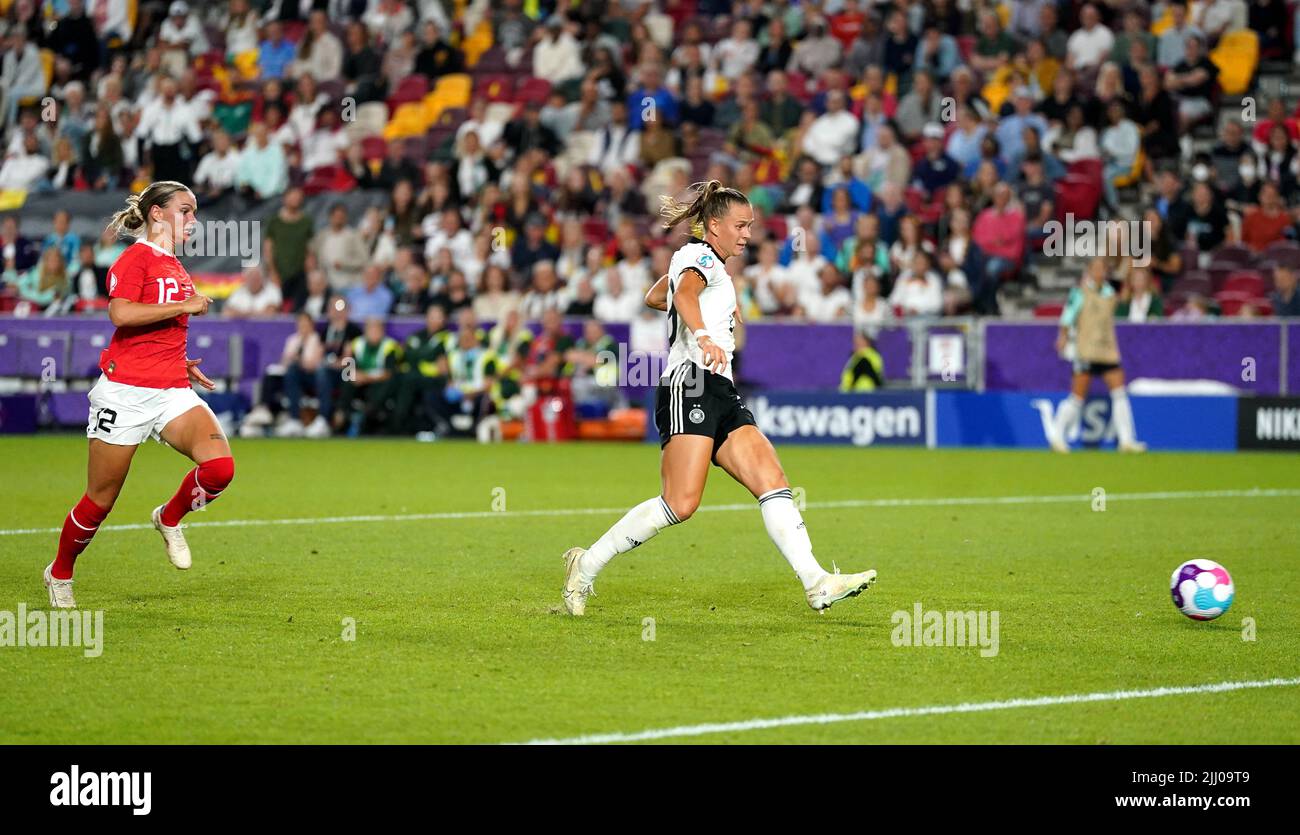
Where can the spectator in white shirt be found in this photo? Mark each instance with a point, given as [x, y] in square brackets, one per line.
[765, 275]
[22, 73]
[241, 23]
[255, 297]
[738, 53]
[165, 125]
[320, 55]
[872, 312]
[830, 301]
[557, 57]
[1219, 17]
[324, 146]
[1091, 44]
[832, 135]
[22, 171]
[218, 171]
[181, 38]
[919, 290]
[619, 302]
[445, 231]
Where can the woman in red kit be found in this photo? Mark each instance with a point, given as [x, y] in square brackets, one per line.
[145, 387]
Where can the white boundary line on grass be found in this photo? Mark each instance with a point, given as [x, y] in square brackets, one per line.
[952, 501]
[907, 712]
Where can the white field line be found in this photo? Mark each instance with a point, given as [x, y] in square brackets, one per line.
[952, 501]
[908, 712]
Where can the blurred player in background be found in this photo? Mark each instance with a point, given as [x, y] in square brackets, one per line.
[699, 414]
[144, 390]
[1087, 339]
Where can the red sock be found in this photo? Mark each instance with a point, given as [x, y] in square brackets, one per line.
[200, 486]
[78, 529]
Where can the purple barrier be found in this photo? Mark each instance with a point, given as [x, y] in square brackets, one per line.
[1023, 357]
[24, 343]
[1293, 359]
[798, 357]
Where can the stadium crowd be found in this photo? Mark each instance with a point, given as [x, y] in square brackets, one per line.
[902, 157]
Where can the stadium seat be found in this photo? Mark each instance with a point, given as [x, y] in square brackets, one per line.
[532, 90]
[411, 89]
[1233, 253]
[1048, 310]
[1194, 281]
[1077, 195]
[1284, 253]
[493, 61]
[1249, 282]
[1230, 301]
[494, 86]
[1089, 168]
[1237, 57]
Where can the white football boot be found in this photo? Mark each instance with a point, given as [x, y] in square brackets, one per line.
[60, 591]
[1059, 446]
[178, 550]
[575, 591]
[1133, 446]
[835, 587]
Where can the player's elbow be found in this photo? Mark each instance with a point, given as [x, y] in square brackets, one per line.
[117, 312]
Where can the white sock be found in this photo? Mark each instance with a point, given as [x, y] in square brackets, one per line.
[1067, 417]
[637, 525]
[786, 527]
[1121, 411]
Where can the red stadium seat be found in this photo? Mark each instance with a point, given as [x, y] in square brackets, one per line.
[413, 88]
[1078, 196]
[1245, 281]
[532, 90]
[1049, 310]
[1230, 302]
[494, 86]
[1089, 168]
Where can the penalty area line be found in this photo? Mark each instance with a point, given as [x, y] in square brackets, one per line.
[950, 501]
[909, 712]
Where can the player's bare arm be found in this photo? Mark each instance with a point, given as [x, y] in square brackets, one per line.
[124, 313]
[657, 296]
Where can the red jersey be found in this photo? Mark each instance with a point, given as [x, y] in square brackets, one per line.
[149, 356]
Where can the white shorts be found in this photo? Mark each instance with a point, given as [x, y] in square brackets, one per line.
[129, 415]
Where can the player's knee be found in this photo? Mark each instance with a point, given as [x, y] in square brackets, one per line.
[217, 473]
[683, 506]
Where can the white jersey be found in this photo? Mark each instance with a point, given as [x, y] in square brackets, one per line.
[717, 306]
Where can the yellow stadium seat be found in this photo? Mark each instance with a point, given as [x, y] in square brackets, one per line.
[1236, 56]
[407, 121]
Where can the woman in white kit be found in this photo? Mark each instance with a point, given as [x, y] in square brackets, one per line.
[700, 417]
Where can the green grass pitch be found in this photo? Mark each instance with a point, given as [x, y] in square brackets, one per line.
[458, 638]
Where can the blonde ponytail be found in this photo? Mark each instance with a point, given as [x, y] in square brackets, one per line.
[712, 200]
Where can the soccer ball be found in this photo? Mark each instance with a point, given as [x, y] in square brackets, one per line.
[1202, 589]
